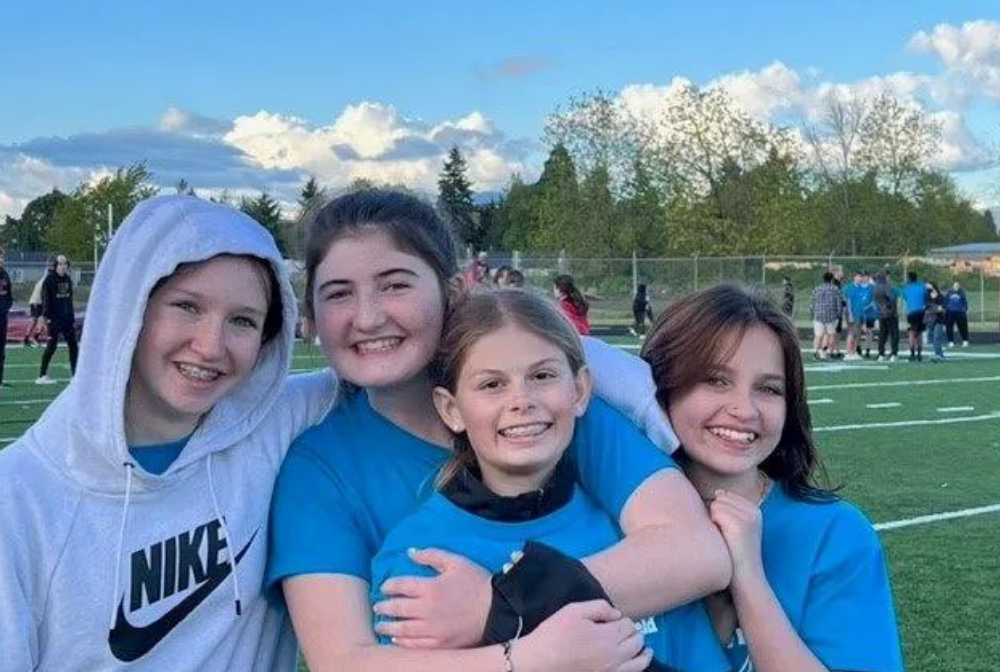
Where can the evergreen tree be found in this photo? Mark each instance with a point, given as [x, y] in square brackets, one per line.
[556, 208]
[455, 200]
[310, 191]
[267, 212]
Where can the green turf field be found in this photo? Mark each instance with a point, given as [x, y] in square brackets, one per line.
[904, 440]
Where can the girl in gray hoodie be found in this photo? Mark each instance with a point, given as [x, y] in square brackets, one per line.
[134, 513]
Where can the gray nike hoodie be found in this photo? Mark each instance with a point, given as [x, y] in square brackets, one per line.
[104, 566]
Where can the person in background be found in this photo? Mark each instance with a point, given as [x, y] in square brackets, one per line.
[572, 303]
[838, 282]
[60, 317]
[810, 589]
[515, 278]
[915, 296]
[500, 277]
[6, 301]
[641, 311]
[956, 307]
[35, 306]
[478, 272]
[787, 297]
[886, 298]
[934, 320]
[825, 309]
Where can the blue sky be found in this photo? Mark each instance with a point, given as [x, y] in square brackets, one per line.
[257, 95]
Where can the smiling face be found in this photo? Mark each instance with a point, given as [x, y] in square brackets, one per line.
[517, 399]
[378, 310]
[730, 421]
[201, 334]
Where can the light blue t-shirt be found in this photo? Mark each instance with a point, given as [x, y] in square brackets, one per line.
[350, 479]
[915, 295]
[825, 564]
[156, 459]
[682, 638]
[860, 300]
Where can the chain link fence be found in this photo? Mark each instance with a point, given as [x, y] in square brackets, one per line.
[609, 283]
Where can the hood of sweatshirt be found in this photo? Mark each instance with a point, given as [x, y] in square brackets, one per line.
[82, 433]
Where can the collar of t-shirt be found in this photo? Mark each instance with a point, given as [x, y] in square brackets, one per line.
[468, 491]
[158, 457]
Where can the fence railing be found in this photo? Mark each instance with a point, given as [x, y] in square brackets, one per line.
[610, 282]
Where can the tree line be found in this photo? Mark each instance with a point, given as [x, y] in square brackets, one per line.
[697, 177]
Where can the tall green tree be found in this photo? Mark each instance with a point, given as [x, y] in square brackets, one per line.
[455, 199]
[267, 212]
[556, 206]
[27, 232]
[83, 218]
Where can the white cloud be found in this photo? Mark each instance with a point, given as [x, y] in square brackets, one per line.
[374, 141]
[970, 54]
[24, 177]
[958, 149]
[770, 90]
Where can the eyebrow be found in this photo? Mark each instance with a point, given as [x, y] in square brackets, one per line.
[767, 376]
[382, 274]
[533, 365]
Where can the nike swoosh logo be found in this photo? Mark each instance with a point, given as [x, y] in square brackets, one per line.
[129, 642]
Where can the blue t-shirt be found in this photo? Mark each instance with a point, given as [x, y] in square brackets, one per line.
[157, 458]
[826, 567]
[955, 302]
[915, 295]
[861, 301]
[682, 638]
[350, 479]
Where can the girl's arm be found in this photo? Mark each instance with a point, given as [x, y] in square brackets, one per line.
[848, 620]
[671, 553]
[332, 621]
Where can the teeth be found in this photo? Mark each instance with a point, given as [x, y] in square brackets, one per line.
[197, 372]
[519, 431]
[733, 435]
[377, 345]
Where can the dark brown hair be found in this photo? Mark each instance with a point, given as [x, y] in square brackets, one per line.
[482, 312]
[700, 332]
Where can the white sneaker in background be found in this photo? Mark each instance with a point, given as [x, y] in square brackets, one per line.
[45, 380]
[965, 344]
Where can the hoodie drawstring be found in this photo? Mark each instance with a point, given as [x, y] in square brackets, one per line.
[229, 540]
[121, 541]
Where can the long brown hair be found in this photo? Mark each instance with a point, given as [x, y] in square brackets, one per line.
[482, 312]
[701, 331]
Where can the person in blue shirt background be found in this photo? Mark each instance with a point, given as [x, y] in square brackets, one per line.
[380, 273]
[810, 589]
[511, 383]
[915, 296]
[956, 306]
[861, 314]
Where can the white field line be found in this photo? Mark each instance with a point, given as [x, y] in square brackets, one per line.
[888, 404]
[935, 517]
[910, 423]
[26, 402]
[904, 383]
[820, 401]
[956, 409]
[836, 368]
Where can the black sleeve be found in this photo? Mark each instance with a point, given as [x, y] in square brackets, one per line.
[537, 586]
[48, 301]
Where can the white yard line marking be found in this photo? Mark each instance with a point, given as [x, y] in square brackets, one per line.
[910, 423]
[820, 401]
[956, 409]
[906, 383]
[935, 517]
[888, 404]
[835, 368]
[26, 402]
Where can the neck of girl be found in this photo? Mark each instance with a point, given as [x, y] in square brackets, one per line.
[410, 405]
[751, 485]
